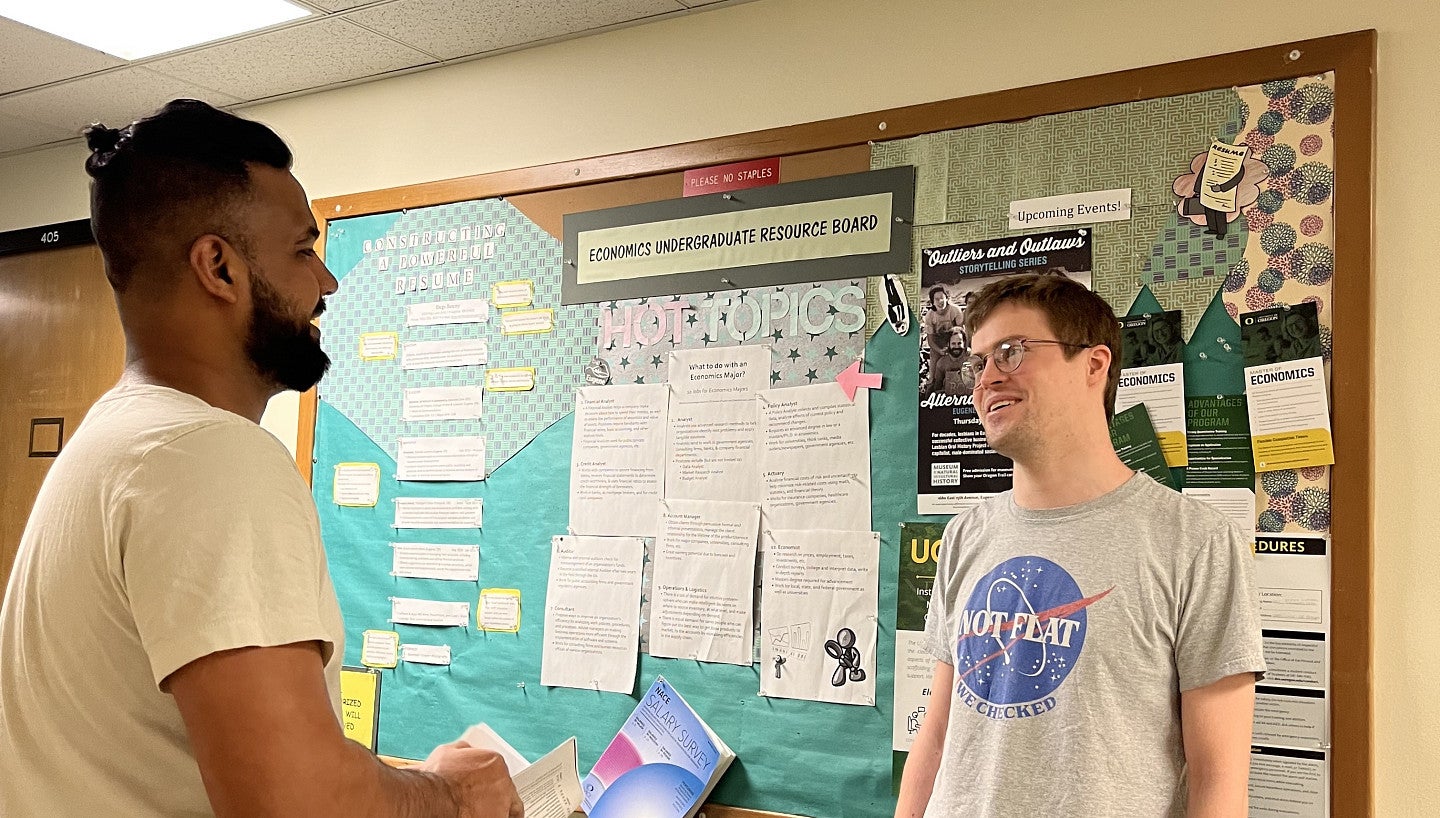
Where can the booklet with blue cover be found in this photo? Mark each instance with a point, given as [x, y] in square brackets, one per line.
[662, 764]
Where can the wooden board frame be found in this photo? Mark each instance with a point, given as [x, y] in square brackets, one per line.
[1351, 56]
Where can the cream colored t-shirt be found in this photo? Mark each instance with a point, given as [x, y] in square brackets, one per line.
[166, 530]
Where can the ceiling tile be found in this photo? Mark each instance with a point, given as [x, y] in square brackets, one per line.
[298, 58]
[17, 134]
[115, 98]
[459, 28]
[30, 57]
[341, 5]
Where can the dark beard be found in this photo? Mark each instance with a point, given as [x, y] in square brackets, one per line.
[284, 352]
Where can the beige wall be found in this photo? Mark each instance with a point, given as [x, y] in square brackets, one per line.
[778, 62]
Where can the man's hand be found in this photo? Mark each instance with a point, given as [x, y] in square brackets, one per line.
[478, 778]
[268, 745]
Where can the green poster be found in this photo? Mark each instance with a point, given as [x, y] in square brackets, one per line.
[914, 666]
[1135, 443]
[919, 544]
[1220, 453]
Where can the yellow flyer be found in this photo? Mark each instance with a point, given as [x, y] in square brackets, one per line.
[360, 704]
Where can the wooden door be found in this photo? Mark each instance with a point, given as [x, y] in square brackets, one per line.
[60, 349]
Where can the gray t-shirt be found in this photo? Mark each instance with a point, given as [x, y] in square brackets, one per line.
[1072, 632]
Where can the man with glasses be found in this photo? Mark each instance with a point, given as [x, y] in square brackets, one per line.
[1096, 635]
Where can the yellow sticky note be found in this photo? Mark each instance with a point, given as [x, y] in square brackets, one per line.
[379, 346]
[510, 379]
[357, 485]
[380, 649]
[527, 322]
[499, 610]
[510, 294]
[360, 704]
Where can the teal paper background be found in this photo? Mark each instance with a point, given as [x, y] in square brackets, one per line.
[792, 756]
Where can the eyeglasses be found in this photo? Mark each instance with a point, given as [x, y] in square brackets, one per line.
[1007, 355]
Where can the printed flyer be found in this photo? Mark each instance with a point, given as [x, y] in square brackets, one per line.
[1133, 436]
[1285, 388]
[914, 666]
[957, 467]
[1152, 351]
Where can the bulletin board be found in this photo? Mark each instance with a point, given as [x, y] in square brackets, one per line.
[1304, 237]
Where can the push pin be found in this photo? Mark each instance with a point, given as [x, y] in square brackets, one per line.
[779, 660]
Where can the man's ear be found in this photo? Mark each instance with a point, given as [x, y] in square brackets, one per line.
[1099, 362]
[215, 264]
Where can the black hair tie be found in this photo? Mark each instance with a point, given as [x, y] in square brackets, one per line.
[101, 139]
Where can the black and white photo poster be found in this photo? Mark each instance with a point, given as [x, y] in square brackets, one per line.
[957, 467]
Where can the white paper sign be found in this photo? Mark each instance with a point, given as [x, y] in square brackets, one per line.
[1297, 658]
[1289, 415]
[710, 451]
[914, 669]
[703, 583]
[1292, 606]
[441, 458]
[815, 458]
[443, 403]
[434, 354]
[469, 311]
[1293, 575]
[357, 484]
[819, 611]
[592, 613]
[426, 654]
[1237, 504]
[1071, 208]
[429, 612]
[720, 373]
[1162, 389]
[1289, 783]
[429, 561]
[1291, 717]
[435, 512]
[617, 466]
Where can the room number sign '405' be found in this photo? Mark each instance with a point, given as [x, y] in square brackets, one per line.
[45, 237]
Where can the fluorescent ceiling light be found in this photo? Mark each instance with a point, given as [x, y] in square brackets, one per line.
[132, 29]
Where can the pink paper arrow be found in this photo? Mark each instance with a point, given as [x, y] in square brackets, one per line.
[852, 378]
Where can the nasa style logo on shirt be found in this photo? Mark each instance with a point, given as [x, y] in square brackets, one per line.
[1020, 634]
